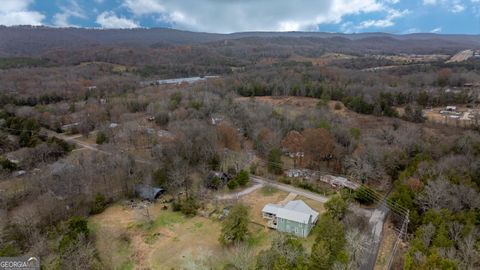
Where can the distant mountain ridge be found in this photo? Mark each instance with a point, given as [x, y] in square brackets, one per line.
[30, 41]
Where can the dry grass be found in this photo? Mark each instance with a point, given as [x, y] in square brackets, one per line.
[196, 237]
[125, 240]
[386, 246]
[123, 236]
[317, 206]
[258, 199]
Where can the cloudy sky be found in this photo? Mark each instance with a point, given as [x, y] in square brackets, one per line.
[226, 16]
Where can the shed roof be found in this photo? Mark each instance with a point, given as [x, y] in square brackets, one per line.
[148, 192]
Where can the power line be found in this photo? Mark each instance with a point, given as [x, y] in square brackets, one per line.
[403, 231]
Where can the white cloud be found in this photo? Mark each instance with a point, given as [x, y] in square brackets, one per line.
[436, 30]
[251, 15]
[388, 21]
[16, 12]
[111, 20]
[142, 7]
[411, 31]
[455, 6]
[73, 9]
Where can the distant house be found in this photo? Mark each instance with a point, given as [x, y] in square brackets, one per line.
[19, 156]
[147, 192]
[70, 127]
[165, 134]
[338, 181]
[221, 176]
[304, 173]
[216, 119]
[451, 108]
[295, 217]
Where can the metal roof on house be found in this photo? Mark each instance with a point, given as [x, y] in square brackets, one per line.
[301, 206]
[293, 215]
[271, 208]
[297, 211]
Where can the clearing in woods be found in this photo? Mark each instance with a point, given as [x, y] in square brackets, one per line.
[171, 241]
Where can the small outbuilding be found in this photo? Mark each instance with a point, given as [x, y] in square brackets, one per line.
[147, 192]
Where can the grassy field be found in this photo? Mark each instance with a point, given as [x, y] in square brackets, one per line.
[126, 239]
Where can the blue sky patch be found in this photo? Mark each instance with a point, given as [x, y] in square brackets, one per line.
[226, 16]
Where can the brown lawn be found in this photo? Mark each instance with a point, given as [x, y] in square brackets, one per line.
[171, 241]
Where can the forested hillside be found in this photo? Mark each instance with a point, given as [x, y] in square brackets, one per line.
[87, 119]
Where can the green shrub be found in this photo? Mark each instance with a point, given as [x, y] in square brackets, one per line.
[162, 118]
[242, 178]
[253, 168]
[275, 164]
[99, 204]
[63, 144]
[215, 183]
[136, 106]
[176, 206]
[235, 226]
[8, 250]
[195, 104]
[7, 165]
[76, 226]
[160, 176]
[363, 195]
[101, 138]
[336, 207]
[175, 100]
[285, 180]
[232, 184]
[356, 133]
[214, 163]
[324, 124]
[189, 206]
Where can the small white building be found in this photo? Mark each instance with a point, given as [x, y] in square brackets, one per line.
[451, 108]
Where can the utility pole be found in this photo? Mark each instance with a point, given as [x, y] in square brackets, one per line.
[403, 231]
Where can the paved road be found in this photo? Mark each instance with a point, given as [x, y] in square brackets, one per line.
[288, 188]
[237, 195]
